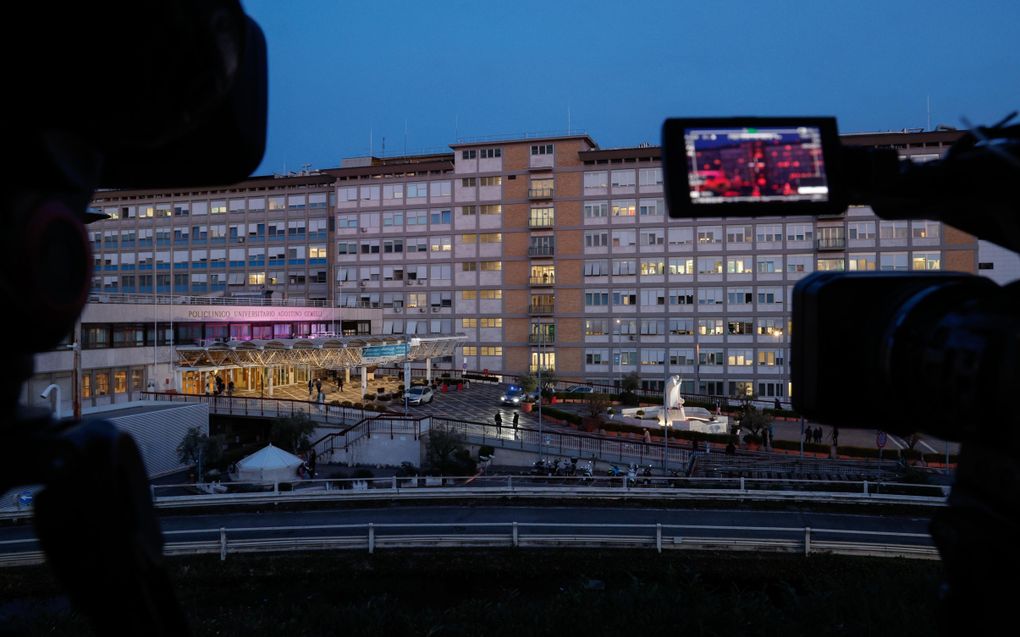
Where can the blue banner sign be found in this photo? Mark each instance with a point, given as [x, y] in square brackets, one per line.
[374, 352]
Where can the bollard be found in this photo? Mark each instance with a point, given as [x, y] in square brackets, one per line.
[223, 544]
[394, 483]
[371, 538]
[807, 540]
[865, 487]
[517, 541]
[742, 489]
[658, 537]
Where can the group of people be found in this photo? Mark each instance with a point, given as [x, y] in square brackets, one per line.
[815, 435]
[222, 387]
[499, 419]
[316, 384]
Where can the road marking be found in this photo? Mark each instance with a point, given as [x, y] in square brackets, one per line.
[896, 440]
[928, 447]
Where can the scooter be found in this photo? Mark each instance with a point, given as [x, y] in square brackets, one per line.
[615, 472]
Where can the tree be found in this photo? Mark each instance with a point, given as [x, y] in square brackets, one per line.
[753, 421]
[292, 433]
[596, 404]
[528, 383]
[446, 454]
[199, 449]
[631, 382]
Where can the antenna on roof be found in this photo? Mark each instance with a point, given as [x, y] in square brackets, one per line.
[929, 113]
[568, 119]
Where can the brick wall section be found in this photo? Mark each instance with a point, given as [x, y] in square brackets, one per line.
[516, 359]
[569, 330]
[569, 272]
[569, 360]
[568, 213]
[514, 188]
[954, 237]
[515, 216]
[569, 301]
[516, 158]
[960, 261]
[516, 302]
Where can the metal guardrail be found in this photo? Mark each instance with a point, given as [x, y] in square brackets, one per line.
[660, 537]
[269, 407]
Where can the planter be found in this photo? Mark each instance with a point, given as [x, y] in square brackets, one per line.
[526, 407]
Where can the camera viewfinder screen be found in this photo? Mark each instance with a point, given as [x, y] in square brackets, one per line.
[775, 164]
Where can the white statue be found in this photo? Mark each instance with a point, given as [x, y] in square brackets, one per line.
[673, 400]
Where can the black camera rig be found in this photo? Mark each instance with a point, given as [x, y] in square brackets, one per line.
[937, 352]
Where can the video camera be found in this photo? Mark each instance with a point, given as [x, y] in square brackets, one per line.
[937, 352]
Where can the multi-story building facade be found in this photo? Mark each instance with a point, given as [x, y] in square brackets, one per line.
[548, 252]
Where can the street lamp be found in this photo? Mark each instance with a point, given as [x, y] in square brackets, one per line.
[541, 437]
[616, 356]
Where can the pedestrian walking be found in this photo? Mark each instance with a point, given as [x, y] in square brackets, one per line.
[230, 388]
[499, 420]
[309, 389]
[835, 436]
[647, 437]
[517, 417]
[779, 405]
[772, 435]
[340, 382]
[318, 385]
[818, 435]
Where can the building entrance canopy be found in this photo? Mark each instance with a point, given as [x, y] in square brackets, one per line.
[319, 353]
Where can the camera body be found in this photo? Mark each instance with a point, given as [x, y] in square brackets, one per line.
[918, 347]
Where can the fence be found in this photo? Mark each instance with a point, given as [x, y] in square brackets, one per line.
[268, 407]
[660, 537]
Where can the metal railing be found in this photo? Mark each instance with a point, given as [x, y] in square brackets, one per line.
[540, 309]
[541, 251]
[542, 280]
[659, 537]
[540, 193]
[837, 243]
[268, 407]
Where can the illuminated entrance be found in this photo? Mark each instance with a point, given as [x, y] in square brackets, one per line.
[261, 365]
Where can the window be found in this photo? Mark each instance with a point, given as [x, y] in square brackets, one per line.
[653, 267]
[596, 327]
[831, 265]
[491, 209]
[799, 232]
[710, 296]
[653, 356]
[711, 357]
[681, 237]
[491, 350]
[417, 217]
[596, 209]
[490, 294]
[740, 357]
[770, 296]
[925, 229]
[490, 153]
[709, 236]
[542, 217]
[681, 357]
[490, 181]
[650, 176]
[596, 268]
[623, 178]
[681, 326]
[596, 239]
[440, 244]
[417, 190]
[681, 265]
[491, 266]
[390, 219]
[653, 296]
[769, 233]
[490, 237]
[469, 210]
[652, 208]
[738, 234]
[624, 267]
[862, 262]
[892, 230]
[393, 191]
[799, 263]
[770, 264]
[861, 230]
[893, 261]
[681, 296]
[595, 183]
[655, 237]
[925, 261]
[740, 326]
[711, 327]
[770, 357]
[469, 154]
[441, 217]
[542, 149]
[770, 327]
[596, 298]
[710, 265]
[596, 357]
[623, 208]
[468, 182]
[738, 265]
[393, 246]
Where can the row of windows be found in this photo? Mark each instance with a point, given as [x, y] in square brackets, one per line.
[217, 206]
[734, 357]
[683, 326]
[107, 335]
[293, 229]
[484, 153]
[709, 296]
[762, 264]
[201, 282]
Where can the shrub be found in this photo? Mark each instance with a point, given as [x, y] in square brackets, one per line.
[347, 403]
[358, 405]
[629, 399]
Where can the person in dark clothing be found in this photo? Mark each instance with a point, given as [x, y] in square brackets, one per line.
[230, 388]
[309, 388]
[818, 435]
[517, 417]
[499, 420]
[779, 405]
[809, 435]
[835, 436]
[318, 386]
[731, 449]
[340, 382]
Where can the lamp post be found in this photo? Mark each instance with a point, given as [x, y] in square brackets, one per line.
[616, 356]
[541, 437]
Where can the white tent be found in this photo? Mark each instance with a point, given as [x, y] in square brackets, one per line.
[270, 464]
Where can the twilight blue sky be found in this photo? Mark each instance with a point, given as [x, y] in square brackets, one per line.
[342, 73]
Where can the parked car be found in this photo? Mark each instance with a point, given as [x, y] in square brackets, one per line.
[515, 395]
[579, 389]
[419, 395]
